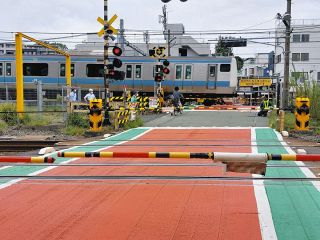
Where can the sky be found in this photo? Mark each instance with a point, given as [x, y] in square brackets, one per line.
[196, 15]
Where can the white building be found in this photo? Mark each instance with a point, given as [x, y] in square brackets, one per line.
[304, 52]
[180, 44]
[34, 49]
[258, 66]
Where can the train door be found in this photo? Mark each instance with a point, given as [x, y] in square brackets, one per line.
[137, 80]
[1, 72]
[178, 82]
[212, 77]
[128, 80]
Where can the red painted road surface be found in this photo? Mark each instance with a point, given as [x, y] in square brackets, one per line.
[127, 209]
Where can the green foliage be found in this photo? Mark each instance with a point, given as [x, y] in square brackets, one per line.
[273, 123]
[3, 126]
[240, 62]
[310, 90]
[36, 121]
[221, 49]
[8, 114]
[78, 120]
[134, 124]
[74, 131]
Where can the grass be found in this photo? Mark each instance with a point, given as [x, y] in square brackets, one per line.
[134, 124]
[74, 131]
[3, 126]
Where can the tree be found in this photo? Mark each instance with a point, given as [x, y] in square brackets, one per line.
[60, 46]
[222, 49]
[240, 62]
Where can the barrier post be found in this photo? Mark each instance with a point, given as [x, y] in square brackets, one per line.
[95, 115]
[302, 114]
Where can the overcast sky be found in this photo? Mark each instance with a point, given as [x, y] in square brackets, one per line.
[80, 15]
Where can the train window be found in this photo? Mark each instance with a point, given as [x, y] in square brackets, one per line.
[1, 69]
[188, 72]
[138, 71]
[179, 72]
[8, 69]
[129, 71]
[63, 70]
[212, 71]
[95, 70]
[225, 68]
[35, 69]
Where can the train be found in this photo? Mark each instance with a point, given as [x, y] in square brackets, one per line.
[206, 77]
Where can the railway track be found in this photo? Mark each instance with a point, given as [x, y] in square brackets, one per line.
[23, 145]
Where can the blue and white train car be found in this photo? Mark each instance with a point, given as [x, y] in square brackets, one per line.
[195, 76]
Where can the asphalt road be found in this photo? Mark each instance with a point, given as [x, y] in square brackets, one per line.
[209, 119]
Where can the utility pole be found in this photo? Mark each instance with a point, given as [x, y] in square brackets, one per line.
[106, 63]
[287, 22]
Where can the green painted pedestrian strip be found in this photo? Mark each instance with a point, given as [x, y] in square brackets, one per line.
[295, 206]
[111, 141]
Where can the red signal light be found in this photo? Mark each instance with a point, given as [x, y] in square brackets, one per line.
[117, 51]
[166, 70]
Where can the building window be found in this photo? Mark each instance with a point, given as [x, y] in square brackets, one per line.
[318, 77]
[129, 71]
[138, 71]
[296, 38]
[225, 67]
[278, 59]
[63, 70]
[35, 69]
[95, 70]
[305, 37]
[179, 72]
[296, 57]
[188, 72]
[304, 56]
[8, 69]
[1, 69]
[251, 72]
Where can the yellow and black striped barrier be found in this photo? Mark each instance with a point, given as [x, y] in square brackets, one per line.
[216, 156]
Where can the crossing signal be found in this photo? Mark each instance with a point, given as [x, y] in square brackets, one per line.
[116, 63]
[166, 64]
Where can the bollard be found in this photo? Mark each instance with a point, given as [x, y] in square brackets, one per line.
[95, 115]
[281, 122]
[302, 114]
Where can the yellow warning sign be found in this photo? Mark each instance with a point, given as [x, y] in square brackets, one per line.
[114, 31]
[258, 82]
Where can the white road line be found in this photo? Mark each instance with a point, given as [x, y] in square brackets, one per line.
[306, 171]
[267, 228]
[7, 184]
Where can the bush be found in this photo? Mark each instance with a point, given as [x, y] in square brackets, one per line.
[8, 114]
[78, 120]
[134, 124]
[3, 126]
[74, 131]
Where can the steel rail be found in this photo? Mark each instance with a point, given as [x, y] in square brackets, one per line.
[131, 177]
[145, 165]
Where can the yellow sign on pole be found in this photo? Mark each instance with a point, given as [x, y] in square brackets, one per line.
[111, 20]
[158, 52]
[258, 82]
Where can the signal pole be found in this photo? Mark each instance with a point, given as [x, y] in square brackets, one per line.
[287, 22]
[106, 63]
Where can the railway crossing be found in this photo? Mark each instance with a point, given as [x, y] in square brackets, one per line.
[162, 198]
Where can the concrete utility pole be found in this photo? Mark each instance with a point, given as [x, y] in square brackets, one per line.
[106, 63]
[287, 21]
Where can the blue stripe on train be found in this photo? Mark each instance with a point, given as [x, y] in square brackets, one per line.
[136, 60]
[130, 83]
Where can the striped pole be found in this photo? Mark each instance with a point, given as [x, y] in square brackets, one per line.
[216, 156]
[21, 159]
